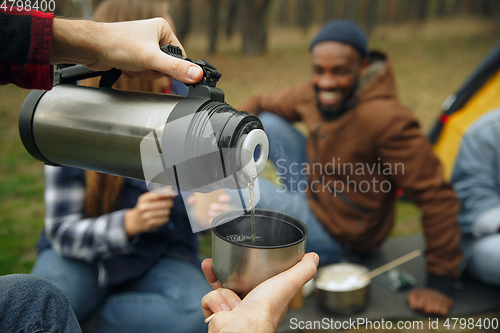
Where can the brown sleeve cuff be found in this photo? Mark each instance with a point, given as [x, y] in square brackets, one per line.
[443, 284]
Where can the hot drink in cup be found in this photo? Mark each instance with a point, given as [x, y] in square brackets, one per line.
[242, 262]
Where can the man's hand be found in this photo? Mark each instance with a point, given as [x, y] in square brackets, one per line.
[264, 307]
[205, 209]
[133, 47]
[430, 301]
[222, 205]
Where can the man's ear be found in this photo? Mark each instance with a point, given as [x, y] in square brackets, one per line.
[364, 65]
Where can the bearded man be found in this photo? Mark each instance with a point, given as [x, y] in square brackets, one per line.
[362, 146]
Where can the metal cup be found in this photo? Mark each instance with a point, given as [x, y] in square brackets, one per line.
[242, 265]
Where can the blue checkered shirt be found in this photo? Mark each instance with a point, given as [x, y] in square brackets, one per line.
[69, 231]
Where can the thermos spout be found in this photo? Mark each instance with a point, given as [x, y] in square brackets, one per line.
[257, 144]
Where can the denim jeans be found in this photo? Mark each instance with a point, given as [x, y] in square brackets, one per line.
[167, 298]
[30, 304]
[287, 150]
[482, 256]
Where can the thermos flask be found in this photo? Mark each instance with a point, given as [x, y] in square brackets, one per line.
[196, 143]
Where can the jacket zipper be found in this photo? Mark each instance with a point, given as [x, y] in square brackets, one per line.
[348, 201]
[314, 136]
[315, 142]
[341, 195]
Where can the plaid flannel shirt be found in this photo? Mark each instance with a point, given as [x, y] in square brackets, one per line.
[102, 240]
[70, 232]
[25, 39]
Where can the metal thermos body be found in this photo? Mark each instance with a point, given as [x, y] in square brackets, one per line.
[98, 129]
[102, 129]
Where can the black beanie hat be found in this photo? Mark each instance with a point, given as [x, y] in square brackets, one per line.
[344, 31]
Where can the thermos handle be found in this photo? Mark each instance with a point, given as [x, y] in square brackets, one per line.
[172, 50]
[108, 78]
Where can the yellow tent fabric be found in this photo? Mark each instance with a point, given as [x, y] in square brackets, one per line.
[448, 144]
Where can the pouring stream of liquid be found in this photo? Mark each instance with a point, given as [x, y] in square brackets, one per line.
[253, 232]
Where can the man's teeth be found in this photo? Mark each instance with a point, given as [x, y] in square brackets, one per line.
[329, 95]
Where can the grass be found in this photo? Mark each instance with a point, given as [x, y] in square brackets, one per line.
[430, 62]
[21, 190]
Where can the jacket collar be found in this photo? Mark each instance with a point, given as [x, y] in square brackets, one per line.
[377, 81]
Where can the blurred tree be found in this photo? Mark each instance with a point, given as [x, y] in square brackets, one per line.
[184, 19]
[95, 3]
[406, 10]
[250, 17]
[254, 26]
[392, 12]
[467, 7]
[422, 9]
[486, 8]
[350, 9]
[418, 10]
[441, 8]
[371, 15]
[328, 10]
[304, 14]
[213, 24]
[63, 8]
[457, 7]
[232, 13]
[284, 12]
[495, 7]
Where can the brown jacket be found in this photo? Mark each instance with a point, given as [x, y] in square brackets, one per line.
[356, 162]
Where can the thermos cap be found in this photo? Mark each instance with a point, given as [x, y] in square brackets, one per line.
[255, 138]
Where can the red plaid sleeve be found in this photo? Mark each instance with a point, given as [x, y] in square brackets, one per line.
[25, 38]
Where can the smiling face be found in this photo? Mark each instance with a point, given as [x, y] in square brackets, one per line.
[336, 68]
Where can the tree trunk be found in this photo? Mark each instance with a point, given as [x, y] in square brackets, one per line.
[441, 8]
[62, 8]
[495, 5]
[422, 10]
[467, 7]
[254, 26]
[407, 10]
[418, 10]
[213, 25]
[392, 11]
[328, 11]
[457, 7]
[350, 9]
[371, 16]
[231, 17]
[304, 14]
[487, 9]
[183, 24]
[283, 12]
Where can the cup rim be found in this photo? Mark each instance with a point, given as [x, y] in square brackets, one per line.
[293, 221]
